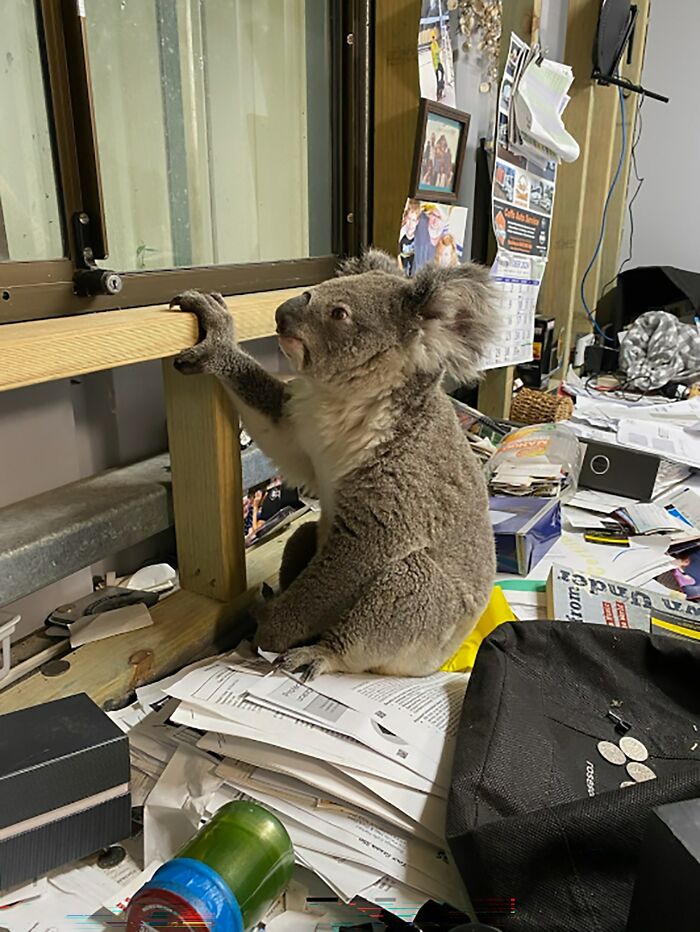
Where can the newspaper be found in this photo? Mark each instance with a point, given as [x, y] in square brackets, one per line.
[539, 100]
[522, 205]
[574, 596]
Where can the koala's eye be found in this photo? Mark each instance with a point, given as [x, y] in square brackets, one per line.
[340, 313]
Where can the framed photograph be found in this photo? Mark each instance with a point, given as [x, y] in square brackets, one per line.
[438, 158]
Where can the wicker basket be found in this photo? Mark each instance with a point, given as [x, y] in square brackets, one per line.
[533, 407]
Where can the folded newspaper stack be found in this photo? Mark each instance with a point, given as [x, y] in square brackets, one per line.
[356, 767]
[535, 125]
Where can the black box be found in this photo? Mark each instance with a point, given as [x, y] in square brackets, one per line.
[64, 786]
[668, 877]
[618, 471]
[536, 374]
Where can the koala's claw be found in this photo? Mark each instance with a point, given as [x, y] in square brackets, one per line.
[309, 662]
[211, 311]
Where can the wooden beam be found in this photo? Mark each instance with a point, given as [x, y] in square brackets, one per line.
[523, 18]
[559, 292]
[44, 350]
[185, 627]
[496, 392]
[396, 98]
[205, 460]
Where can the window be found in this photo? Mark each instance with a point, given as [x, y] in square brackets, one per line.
[212, 145]
[30, 220]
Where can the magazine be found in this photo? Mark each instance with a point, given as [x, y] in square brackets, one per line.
[268, 508]
[574, 596]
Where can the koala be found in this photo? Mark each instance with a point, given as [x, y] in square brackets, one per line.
[397, 570]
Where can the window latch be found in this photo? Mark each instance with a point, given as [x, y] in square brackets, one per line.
[88, 279]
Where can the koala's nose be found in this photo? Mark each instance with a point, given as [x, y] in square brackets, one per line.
[289, 314]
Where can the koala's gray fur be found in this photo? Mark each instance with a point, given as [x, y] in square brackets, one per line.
[401, 563]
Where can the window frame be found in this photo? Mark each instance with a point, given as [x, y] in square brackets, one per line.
[44, 288]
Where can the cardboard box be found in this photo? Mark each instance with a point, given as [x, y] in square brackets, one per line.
[64, 787]
[525, 529]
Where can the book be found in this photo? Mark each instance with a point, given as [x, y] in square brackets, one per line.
[575, 596]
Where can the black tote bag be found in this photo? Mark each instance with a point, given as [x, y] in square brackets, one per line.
[537, 817]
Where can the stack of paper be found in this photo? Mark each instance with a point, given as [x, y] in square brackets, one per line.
[650, 518]
[356, 767]
[523, 478]
[539, 99]
[647, 423]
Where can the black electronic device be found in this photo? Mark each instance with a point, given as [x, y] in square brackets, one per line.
[614, 35]
[619, 471]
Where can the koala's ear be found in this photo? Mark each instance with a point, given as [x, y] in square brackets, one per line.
[374, 260]
[456, 310]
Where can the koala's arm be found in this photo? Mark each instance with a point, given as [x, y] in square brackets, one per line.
[260, 398]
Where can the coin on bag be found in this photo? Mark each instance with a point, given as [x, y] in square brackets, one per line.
[640, 772]
[611, 753]
[633, 748]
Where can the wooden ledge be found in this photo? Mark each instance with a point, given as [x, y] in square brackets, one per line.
[63, 347]
[185, 627]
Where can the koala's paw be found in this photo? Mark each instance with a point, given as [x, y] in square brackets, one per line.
[216, 332]
[310, 662]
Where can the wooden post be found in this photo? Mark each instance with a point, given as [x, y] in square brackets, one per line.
[396, 99]
[523, 18]
[559, 292]
[496, 392]
[206, 474]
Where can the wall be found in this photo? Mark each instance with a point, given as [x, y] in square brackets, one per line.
[666, 210]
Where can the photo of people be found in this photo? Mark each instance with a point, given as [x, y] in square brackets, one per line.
[438, 156]
[430, 233]
[504, 181]
[435, 62]
[266, 507]
[685, 577]
[437, 172]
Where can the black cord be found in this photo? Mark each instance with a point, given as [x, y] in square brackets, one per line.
[640, 181]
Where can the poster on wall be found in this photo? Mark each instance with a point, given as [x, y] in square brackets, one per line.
[435, 61]
[522, 200]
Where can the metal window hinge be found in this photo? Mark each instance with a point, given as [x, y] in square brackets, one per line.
[88, 278]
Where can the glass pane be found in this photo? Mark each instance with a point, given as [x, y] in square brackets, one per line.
[213, 125]
[30, 223]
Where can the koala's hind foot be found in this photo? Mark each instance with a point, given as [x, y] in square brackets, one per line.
[216, 333]
[408, 622]
[298, 553]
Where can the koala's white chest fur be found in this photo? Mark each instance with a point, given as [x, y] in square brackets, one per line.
[338, 430]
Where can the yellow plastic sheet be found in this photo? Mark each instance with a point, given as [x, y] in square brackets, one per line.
[496, 613]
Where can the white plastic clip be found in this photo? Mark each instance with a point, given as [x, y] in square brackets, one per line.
[8, 623]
